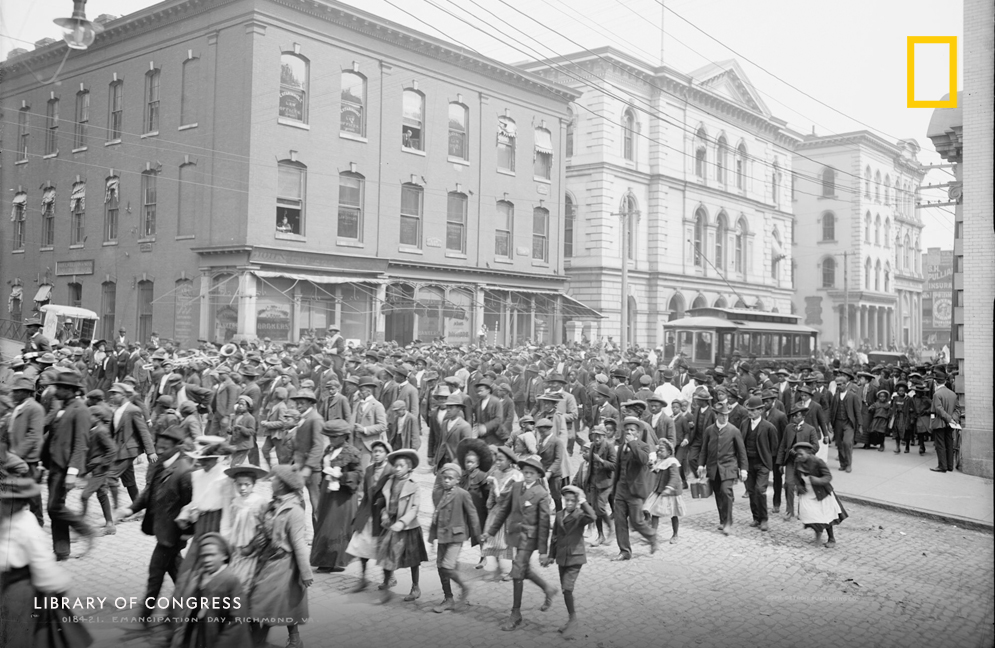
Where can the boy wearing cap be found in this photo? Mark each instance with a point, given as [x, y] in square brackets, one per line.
[798, 431]
[527, 513]
[600, 456]
[566, 547]
[369, 420]
[551, 450]
[455, 520]
[242, 434]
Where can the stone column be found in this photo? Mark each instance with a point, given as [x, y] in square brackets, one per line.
[247, 291]
[204, 324]
[379, 319]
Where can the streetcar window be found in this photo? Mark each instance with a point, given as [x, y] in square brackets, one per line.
[806, 348]
[726, 344]
[776, 341]
[755, 343]
[703, 346]
[743, 343]
[797, 344]
[669, 347]
[766, 344]
[785, 344]
[685, 342]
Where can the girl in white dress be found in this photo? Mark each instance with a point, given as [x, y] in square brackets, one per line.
[240, 519]
[503, 475]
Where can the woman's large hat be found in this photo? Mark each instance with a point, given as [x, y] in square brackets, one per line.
[480, 448]
[246, 470]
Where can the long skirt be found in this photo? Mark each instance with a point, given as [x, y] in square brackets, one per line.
[665, 506]
[278, 597]
[363, 544]
[497, 544]
[401, 549]
[818, 514]
[336, 509]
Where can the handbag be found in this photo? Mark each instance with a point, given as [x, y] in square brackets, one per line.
[701, 489]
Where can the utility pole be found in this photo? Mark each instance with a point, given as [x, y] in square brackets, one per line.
[626, 217]
[663, 21]
[846, 296]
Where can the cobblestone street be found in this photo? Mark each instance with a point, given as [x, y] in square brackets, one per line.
[893, 580]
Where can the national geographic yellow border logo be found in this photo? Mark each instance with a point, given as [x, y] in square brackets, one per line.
[951, 41]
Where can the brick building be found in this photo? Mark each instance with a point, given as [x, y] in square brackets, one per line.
[225, 169]
[857, 226]
[699, 166]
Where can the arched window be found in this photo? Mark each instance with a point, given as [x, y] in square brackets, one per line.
[676, 307]
[721, 155]
[887, 278]
[828, 182]
[867, 182]
[721, 234]
[877, 230]
[699, 302]
[507, 131]
[899, 252]
[628, 135]
[877, 186]
[740, 244]
[459, 116]
[504, 227]
[350, 225]
[877, 276]
[721, 302]
[867, 228]
[917, 252]
[112, 198]
[77, 202]
[887, 232]
[151, 121]
[352, 116]
[631, 209]
[907, 264]
[568, 227]
[776, 254]
[290, 192]
[413, 121]
[149, 203]
[828, 226]
[115, 111]
[108, 308]
[700, 153]
[48, 217]
[293, 87]
[741, 167]
[829, 272]
[571, 118]
[540, 234]
[412, 206]
[456, 221]
[146, 292]
[776, 184]
[868, 270]
[543, 154]
[887, 189]
[699, 237]
[190, 94]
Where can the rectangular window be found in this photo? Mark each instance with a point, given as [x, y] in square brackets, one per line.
[115, 115]
[189, 200]
[703, 346]
[411, 215]
[82, 119]
[290, 199]
[188, 91]
[503, 230]
[152, 102]
[506, 144]
[48, 217]
[540, 234]
[111, 209]
[543, 154]
[22, 134]
[76, 295]
[351, 207]
[456, 223]
[412, 128]
[77, 206]
[148, 204]
[17, 217]
[457, 131]
[145, 296]
[108, 306]
[51, 127]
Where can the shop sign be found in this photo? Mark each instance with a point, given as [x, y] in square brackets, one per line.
[70, 268]
[273, 322]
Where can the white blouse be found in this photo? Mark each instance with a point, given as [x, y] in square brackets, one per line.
[22, 542]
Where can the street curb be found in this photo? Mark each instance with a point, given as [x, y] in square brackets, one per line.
[967, 523]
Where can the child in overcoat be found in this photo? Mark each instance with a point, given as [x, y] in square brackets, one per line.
[455, 521]
[566, 547]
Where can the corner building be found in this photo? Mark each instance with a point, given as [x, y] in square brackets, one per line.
[699, 166]
[269, 167]
[859, 240]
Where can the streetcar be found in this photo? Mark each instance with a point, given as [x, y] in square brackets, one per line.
[709, 336]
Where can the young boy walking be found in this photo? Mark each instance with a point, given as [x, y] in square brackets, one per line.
[455, 520]
[566, 547]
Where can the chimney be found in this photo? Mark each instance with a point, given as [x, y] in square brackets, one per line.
[14, 53]
[43, 42]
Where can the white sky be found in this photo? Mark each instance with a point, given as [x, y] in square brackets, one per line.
[849, 54]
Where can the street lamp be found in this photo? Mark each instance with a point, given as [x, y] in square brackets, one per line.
[77, 31]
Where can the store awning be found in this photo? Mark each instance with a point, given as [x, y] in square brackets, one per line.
[318, 279]
[44, 293]
[111, 190]
[544, 141]
[574, 308]
[78, 196]
[19, 200]
[48, 197]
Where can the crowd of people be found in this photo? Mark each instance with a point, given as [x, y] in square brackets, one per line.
[530, 448]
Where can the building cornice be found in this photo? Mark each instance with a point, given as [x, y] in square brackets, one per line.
[871, 141]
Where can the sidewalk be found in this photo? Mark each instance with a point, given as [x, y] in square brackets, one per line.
[904, 482]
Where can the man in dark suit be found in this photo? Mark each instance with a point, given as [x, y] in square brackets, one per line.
[502, 391]
[309, 445]
[601, 459]
[746, 382]
[760, 439]
[602, 408]
[131, 435]
[488, 414]
[631, 485]
[798, 431]
[702, 416]
[844, 415]
[945, 411]
[167, 490]
[37, 343]
[779, 420]
[526, 510]
[25, 433]
[722, 458]
[64, 455]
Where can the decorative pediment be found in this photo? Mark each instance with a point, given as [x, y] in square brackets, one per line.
[727, 79]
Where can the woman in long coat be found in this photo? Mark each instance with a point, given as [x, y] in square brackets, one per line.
[341, 480]
[366, 528]
[278, 595]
